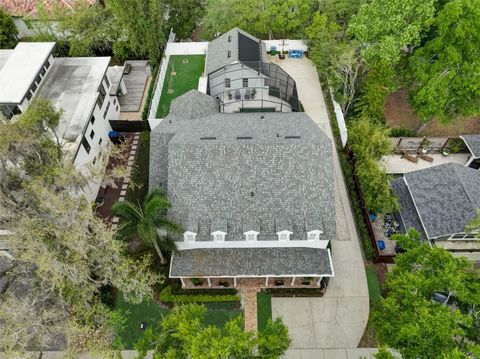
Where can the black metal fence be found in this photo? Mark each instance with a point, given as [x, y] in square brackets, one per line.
[130, 126]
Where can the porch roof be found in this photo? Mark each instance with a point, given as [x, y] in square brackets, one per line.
[246, 262]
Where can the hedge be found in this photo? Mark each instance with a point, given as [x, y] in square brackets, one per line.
[348, 175]
[167, 296]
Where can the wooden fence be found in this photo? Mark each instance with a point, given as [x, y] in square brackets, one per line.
[378, 257]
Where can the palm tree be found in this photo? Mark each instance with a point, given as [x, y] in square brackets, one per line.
[148, 222]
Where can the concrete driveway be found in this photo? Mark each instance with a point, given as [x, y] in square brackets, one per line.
[338, 319]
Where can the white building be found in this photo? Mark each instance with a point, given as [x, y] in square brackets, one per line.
[79, 86]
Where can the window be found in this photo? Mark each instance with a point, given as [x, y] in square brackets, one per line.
[312, 236]
[227, 82]
[86, 144]
[47, 64]
[284, 236]
[92, 119]
[245, 82]
[114, 100]
[92, 134]
[38, 79]
[219, 236]
[94, 160]
[116, 108]
[101, 96]
[229, 54]
[100, 141]
[251, 237]
[33, 88]
[190, 237]
[42, 71]
[106, 81]
[29, 95]
[229, 38]
[106, 110]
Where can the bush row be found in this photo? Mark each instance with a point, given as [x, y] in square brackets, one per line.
[167, 296]
[348, 174]
[151, 90]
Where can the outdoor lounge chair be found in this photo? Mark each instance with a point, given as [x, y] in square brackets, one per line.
[410, 157]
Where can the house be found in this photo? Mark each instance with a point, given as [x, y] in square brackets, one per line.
[240, 77]
[438, 202]
[80, 86]
[254, 193]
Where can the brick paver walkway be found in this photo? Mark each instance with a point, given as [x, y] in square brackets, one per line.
[110, 194]
[249, 303]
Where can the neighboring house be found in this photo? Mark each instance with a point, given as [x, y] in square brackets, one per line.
[438, 202]
[254, 193]
[242, 79]
[79, 86]
[473, 144]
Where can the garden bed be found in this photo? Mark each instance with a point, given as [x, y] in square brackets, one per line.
[167, 296]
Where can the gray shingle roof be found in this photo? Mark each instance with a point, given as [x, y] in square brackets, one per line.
[215, 178]
[251, 261]
[194, 104]
[446, 197]
[473, 144]
[408, 212]
[217, 54]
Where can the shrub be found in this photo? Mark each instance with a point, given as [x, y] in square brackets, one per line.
[402, 132]
[151, 90]
[167, 296]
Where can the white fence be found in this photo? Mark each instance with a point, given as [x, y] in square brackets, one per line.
[285, 44]
[173, 48]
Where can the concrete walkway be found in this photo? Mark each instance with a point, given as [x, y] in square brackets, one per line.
[338, 319]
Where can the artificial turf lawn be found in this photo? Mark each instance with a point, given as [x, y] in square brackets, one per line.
[185, 79]
[373, 285]
[151, 313]
[264, 309]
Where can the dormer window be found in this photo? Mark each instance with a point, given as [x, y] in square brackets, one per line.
[251, 236]
[229, 38]
[284, 236]
[189, 236]
[314, 235]
[219, 236]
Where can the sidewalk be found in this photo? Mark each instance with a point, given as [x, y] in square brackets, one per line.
[338, 319]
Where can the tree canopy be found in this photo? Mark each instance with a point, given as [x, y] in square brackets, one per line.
[8, 31]
[184, 16]
[409, 320]
[445, 72]
[183, 334]
[63, 254]
[385, 29]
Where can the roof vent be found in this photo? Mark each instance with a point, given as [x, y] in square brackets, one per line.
[244, 137]
[252, 194]
[262, 117]
[208, 138]
[291, 137]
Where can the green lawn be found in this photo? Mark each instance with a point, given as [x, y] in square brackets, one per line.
[150, 312]
[185, 79]
[373, 285]
[264, 309]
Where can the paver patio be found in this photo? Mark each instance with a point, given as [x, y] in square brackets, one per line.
[338, 319]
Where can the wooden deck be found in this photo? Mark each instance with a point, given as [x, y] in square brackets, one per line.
[135, 83]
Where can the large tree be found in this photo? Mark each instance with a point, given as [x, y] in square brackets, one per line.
[142, 27]
[414, 324]
[445, 72]
[265, 19]
[63, 253]
[184, 16]
[386, 29]
[148, 222]
[183, 334]
[8, 31]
